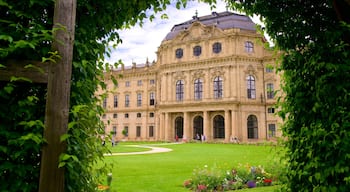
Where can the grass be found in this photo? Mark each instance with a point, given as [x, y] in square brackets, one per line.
[166, 172]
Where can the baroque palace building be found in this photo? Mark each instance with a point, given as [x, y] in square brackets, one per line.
[212, 78]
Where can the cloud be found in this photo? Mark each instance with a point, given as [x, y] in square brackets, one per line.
[140, 43]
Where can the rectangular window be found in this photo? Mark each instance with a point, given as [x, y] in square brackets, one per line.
[115, 103]
[139, 82]
[151, 82]
[127, 83]
[114, 130]
[139, 99]
[151, 131]
[151, 114]
[271, 110]
[127, 100]
[104, 105]
[138, 131]
[126, 131]
[138, 115]
[115, 115]
[179, 90]
[269, 69]
[270, 91]
[249, 47]
[272, 130]
[250, 87]
[126, 115]
[151, 98]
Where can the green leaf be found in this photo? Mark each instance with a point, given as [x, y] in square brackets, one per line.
[64, 137]
[61, 164]
[6, 38]
[13, 78]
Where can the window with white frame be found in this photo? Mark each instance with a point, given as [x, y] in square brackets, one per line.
[151, 98]
[104, 105]
[139, 82]
[272, 130]
[270, 91]
[198, 89]
[179, 90]
[115, 102]
[251, 87]
[249, 47]
[218, 87]
[139, 99]
[127, 100]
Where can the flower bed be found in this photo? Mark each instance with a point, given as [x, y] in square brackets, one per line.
[215, 179]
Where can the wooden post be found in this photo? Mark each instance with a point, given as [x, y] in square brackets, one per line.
[58, 96]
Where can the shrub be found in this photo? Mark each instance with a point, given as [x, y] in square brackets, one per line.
[215, 179]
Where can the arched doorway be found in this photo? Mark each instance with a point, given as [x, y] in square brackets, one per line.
[197, 127]
[252, 126]
[179, 127]
[219, 127]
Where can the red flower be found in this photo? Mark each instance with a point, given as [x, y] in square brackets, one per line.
[267, 180]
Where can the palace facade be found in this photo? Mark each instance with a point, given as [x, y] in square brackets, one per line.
[213, 78]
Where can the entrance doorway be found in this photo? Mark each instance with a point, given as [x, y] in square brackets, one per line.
[179, 127]
[197, 127]
[219, 127]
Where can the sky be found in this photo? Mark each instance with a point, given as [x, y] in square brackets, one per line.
[140, 44]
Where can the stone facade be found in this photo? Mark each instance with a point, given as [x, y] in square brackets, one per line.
[212, 78]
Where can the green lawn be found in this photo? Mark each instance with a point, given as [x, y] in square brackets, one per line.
[166, 172]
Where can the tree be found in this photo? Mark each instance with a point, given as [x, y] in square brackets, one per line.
[27, 35]
[314, 39]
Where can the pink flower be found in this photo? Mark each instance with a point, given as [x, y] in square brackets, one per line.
[187, 183]
[201, 187]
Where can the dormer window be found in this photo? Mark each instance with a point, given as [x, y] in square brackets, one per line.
[179, 53]
[217, 47]
[197, 50]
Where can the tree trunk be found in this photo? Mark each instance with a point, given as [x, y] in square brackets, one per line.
[58, 96]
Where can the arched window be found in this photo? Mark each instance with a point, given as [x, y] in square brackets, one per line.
[217, 87]
[251, 87]
[217, 47]
[198, 89]
[252, 126]
[197, 50]
[219, 127]
[180, 90]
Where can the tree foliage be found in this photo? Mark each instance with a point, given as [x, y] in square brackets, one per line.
[26, 34]
[315, 108]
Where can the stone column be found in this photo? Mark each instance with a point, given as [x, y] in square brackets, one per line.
[186, 127]
[227, 126]
[166, 127]
[206, 129]
[234, 127]
[160, 129]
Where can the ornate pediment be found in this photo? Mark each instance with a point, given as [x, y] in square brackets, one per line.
[217, 71]
[198, 31]
[179, 75]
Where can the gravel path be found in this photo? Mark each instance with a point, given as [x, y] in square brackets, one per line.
[153, 150]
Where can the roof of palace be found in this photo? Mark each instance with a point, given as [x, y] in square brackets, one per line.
[223, 20]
